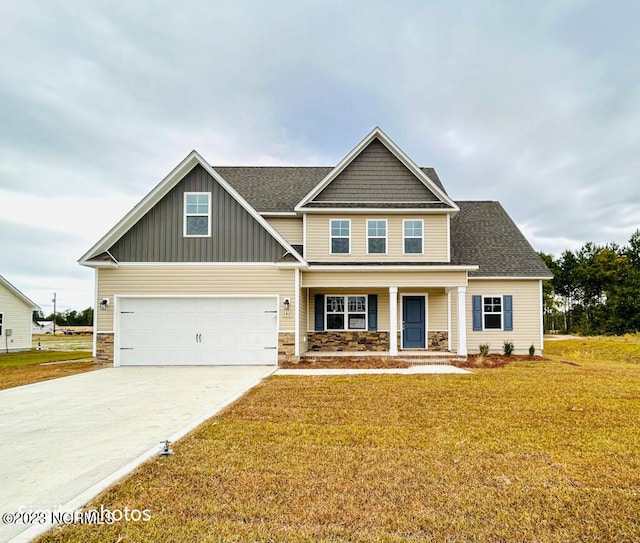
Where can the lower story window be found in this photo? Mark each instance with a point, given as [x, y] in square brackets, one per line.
[346, 312]
[492, 312]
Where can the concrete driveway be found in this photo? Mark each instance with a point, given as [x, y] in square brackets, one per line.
[63, 441]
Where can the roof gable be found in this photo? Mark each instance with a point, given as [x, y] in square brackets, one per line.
[13, 290]
[236, 236]
[128, 225]
[377, 173]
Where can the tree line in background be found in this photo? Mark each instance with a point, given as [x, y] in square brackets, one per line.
[594, 290]
[69, 317]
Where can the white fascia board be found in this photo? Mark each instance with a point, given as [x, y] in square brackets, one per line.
[378, 210]
[96, 265]
[18, 294]
[390, 267]
[291, 265]
[279, 214]
[511, 278]
[161, 189]
[396, 151]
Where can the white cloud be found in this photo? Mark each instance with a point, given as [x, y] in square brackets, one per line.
[532, 104]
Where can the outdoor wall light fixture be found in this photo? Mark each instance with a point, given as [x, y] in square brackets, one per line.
[286, 304]
[104, 303]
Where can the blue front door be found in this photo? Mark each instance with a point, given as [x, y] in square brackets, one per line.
[413, 319]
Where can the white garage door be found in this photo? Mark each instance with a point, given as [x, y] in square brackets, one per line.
[197, 331]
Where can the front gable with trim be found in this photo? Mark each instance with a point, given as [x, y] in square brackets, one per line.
[234, 236]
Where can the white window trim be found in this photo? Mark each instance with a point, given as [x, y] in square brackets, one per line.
[346, 313]
[385, 237]
[404, 237]
[484, 328]
[338, 237]
[185, 215]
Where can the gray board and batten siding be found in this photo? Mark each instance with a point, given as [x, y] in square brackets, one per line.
[376, 175]
[235, 235]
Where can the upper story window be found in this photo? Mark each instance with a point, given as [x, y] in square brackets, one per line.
[197, 214]
[492, 312]
[376, 236]
[0, 324]
[340, 236]
[413, 236]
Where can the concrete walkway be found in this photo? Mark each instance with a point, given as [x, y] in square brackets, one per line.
[413, 370]
[64, 441]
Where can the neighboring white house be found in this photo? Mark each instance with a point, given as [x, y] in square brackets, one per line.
[16, 312]
[42, 327]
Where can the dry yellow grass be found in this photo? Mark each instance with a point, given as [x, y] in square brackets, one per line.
[532, 452]
[23, 375]
[616, 348]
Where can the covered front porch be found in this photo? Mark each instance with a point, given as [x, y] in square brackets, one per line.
[407, 313]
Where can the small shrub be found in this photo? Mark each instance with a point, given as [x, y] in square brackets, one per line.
[532, 350]
[484, 349]
[507, 348]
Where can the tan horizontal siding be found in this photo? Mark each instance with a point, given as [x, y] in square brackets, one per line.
[437, 304]
[289, 228]
[193, 280]
[16, 316]
[419, 279]
[526, 314]
[434, 238]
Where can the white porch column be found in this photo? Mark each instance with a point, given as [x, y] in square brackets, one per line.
[296, 313]
[393, 321]
[462, 321]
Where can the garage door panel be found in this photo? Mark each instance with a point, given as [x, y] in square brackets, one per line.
[197, 331]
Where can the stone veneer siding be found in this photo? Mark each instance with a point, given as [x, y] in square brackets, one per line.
[350, 341]
[286, 347]
[104, 348]
[438, 341]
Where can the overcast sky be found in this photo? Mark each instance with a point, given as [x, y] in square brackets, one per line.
[534, 104]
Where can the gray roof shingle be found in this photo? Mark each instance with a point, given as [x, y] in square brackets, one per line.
[482, 233]
[277, 189]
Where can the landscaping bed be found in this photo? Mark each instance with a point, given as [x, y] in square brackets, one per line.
[384, 362]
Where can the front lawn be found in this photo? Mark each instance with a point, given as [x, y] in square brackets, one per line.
[27, 367]
[31, 358]
[618, 348]
[543, 451]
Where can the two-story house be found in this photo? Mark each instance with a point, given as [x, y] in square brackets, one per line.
[255, 265]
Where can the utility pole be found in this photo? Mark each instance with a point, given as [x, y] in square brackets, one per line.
[54, 314]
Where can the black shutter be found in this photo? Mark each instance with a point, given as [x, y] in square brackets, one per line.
[319, 312]
[373, 312]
